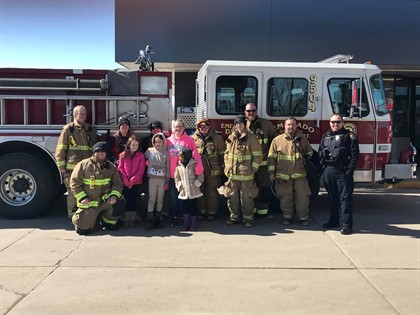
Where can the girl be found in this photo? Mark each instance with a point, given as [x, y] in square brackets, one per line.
[131, 167]
[188, 184]
[158, 173]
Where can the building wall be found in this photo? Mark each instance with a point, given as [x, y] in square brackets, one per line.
[387, 32]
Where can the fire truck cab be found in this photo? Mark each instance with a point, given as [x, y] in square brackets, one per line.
[35, 104]
[310, 92]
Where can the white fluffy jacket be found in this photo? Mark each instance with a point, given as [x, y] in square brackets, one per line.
[187, 183]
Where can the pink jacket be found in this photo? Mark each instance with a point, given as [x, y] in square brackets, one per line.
[175, 146]
[131, 169]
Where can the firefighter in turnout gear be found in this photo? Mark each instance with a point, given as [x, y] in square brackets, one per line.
[212, 148]
[97, 186]
[339, 153]
[243, 157]
[264, 130]
[286, 166]
[74, 145]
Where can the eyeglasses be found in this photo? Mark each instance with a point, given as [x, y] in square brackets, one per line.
[203, 126]
[335, 122]
[250, 110]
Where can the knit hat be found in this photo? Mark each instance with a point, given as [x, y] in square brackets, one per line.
[99, 146]
[187, 154]
[240, 119]
[155, 125]
[123, 120]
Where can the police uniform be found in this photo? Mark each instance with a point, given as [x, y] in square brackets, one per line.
[212, 149]
[285, 160]
[74, 144]
[98, 182]
[243, 157]
[264, 130]
[339, 153]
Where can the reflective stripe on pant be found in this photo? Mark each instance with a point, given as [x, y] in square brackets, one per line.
[294, 194]
[209, 202]
[241, 201]
[85, 219]
[340, 195]
[71, 200]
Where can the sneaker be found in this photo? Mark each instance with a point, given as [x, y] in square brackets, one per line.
[230, 222]
[330, 225]
[174, 222]
[248, 224]
[305, 222]
[286, 222]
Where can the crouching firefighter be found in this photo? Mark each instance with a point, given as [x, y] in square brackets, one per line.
[97, 186]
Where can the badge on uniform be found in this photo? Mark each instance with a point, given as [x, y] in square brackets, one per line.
[337, 137]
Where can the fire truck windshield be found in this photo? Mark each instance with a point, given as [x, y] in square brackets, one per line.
[378, 93]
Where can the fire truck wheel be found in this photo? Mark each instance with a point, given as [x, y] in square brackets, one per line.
[27, 186]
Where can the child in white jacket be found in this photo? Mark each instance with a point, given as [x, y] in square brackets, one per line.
[188, 185]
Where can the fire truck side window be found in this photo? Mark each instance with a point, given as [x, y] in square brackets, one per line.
[345, 97]
[234, 92]
[287, 97]
[379, 99]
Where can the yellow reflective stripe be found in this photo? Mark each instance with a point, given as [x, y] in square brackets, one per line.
[98, 182]
[257, 153]
[285, 157]
[287, 177]
[282, 176]
[80, 148]
[271, 168]
[215, 173]
[62, 146]
[81, 195]
[255, 165]
[91, 204]
[112, 222]
[61, 163]
[260, 141]
[262, 211]
[70, 166]
[115, 193]
[272, 155]
[265, 140]
[263, 163]
[297, 175]
[241, 177]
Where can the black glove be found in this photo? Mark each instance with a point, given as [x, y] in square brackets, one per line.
[349, 173]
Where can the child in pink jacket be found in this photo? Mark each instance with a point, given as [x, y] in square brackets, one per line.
[131, 167]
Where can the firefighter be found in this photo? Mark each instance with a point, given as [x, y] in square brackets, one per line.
[286, 166]
[243, 157]
[211, 147]
[97, 186]
[339, 153]
[74, 144]
[264, 130]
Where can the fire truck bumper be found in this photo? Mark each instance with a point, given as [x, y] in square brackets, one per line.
[400, 171]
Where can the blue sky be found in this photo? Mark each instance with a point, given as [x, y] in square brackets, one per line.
[75, 34]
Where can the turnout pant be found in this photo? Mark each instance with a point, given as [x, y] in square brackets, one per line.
[242, 201]
[71, 200]
[208, 204]
[294, 194]
[85, 219]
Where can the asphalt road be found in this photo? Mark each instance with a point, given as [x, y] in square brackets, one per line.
[45, 267]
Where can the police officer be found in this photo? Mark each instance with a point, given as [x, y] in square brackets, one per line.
[97, 186]
[74, 144]
[339, 153]
[212, 148]
[264, 130]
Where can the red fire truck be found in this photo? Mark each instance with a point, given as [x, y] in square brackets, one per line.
[311, 92]
[36, 103]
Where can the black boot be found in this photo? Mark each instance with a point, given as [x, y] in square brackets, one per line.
[158, 221]
[150, 220]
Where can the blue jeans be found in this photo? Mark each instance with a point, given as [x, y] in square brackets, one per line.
[176, 205]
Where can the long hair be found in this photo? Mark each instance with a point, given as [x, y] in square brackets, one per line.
[126, 152]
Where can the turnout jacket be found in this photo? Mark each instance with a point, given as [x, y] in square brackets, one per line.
[187, 183]
[74, 144]
[96, 181]
[212, 149]
[285, 160]
[243, 156]
[264, 130]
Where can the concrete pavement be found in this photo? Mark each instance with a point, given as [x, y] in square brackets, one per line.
[270, 269]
